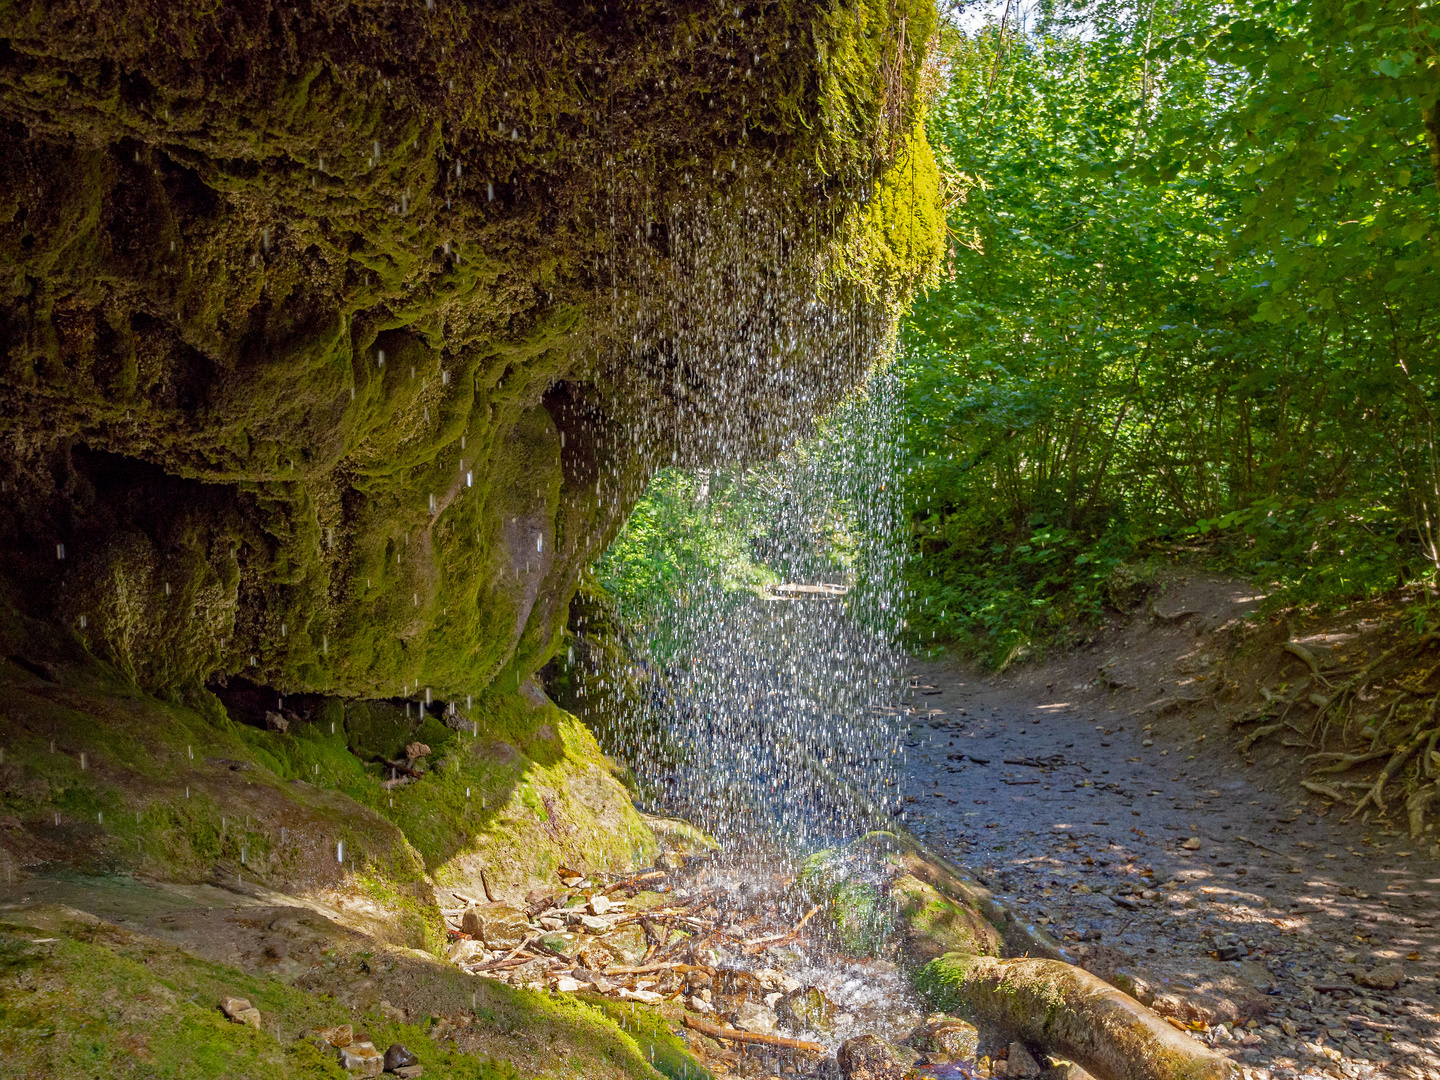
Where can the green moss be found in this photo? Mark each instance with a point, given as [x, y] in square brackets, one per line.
[933, 924]
[859, 914]
[176, 794]
[661, 1047]
[894, 244]
[209, 263]
[939, 983]
[80, 1000]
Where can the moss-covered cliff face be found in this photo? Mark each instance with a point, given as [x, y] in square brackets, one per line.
[338, 337]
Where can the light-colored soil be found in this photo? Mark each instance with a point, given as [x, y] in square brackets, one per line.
[1140, 836]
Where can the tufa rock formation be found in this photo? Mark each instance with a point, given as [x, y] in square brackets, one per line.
[339, 338]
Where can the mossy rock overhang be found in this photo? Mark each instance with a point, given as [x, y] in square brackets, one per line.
[339, 338]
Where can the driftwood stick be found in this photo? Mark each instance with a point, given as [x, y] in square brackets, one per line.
[715, 1031]
[750, 948]
[522, 947]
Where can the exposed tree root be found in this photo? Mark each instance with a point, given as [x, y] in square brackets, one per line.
[1326, 790]
[1259, 733]
[1415, 808]
[1376, 794]
[715, 1031]
[1066, 1008]
[1378, 703]
[1344, 762]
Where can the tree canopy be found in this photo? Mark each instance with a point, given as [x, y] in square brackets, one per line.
[1189, 301]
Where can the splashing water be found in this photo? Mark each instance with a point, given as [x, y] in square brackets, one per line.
[781, 710]
[781, 668]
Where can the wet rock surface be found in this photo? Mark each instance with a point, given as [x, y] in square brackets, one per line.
[1288, 939]
[867, 1057]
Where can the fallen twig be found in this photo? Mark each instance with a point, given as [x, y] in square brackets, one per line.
[493, 964]
[715, 1031]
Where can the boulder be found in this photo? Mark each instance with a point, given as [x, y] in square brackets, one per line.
[807, 1010]
[868, 1057]
[500, 926]
[934, 924]
[947, 1037]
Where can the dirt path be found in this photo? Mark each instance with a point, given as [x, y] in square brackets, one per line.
[1225, 894]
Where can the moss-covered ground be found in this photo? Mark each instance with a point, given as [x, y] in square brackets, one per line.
[81, 998]
[103, 778]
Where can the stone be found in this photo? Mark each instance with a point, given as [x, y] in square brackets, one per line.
[1022, 1063]
[416, 750]
[700, 1005]
[595, 924]
[398, 1056]
[599, 904]
[1193, 844]
[807, 1010]
[361, 1058]
[594, 978]
[772, 979]
[628, 944]
[868, 1057]
[567, 985]
[753, 1016]
[1256, 975]
[649, 997]
[500, 926]
[1382, 977]
[594, 957]
[343, 1035]
[410, 1072]
[947, 1036]
[464, 950]
[240, 1011]
[275, 722]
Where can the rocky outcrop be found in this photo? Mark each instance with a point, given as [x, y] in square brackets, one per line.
[339, 338]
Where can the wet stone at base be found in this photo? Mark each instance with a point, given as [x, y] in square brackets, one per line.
[868, 1057]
